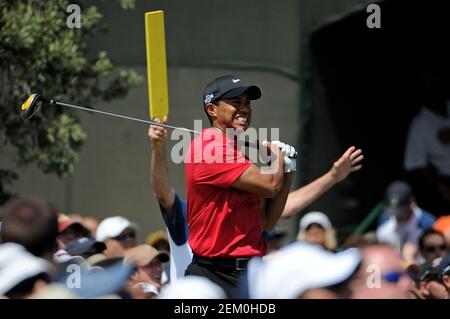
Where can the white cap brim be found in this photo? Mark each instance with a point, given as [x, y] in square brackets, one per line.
[112, 227]
[297, 268]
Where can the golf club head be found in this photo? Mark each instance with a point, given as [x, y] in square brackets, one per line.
[31, 106]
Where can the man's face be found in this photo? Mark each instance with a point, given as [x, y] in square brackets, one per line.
[116, 246]
[381, 275]
[404, 214]
[233, 113]
[315, 234]
[151, 273]
[127, 238]
[434, 247]
[113, 248]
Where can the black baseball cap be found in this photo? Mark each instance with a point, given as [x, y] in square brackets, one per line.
[398, 195]
[228, 86]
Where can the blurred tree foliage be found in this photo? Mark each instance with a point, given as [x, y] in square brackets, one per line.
[39, 53]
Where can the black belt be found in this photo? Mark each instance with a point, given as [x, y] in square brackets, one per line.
[231, 263]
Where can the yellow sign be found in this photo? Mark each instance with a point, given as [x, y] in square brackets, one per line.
[156, 64]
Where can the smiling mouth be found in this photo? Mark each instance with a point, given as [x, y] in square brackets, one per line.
[242, 118]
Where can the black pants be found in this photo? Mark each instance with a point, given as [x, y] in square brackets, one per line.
[226, 278]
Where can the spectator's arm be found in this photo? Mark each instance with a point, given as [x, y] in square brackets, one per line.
[299, 199]
[409, 253]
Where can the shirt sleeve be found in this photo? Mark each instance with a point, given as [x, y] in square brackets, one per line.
[384, 217]
[177, 225]
[222, 164]
[412, 236]
[427, 220]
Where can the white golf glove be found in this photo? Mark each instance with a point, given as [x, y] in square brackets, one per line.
[289, 152]
[290, 164]
[286, 149]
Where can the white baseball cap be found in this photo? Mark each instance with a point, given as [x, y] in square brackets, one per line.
[17, 265]
[298, 267]
[112, 227]
[192, 287]
[315, 218]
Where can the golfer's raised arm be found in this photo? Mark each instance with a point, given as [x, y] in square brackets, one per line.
[159, 172]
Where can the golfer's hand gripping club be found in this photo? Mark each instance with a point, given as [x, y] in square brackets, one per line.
[290, 155]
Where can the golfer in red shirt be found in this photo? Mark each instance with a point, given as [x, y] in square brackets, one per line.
[230, 200]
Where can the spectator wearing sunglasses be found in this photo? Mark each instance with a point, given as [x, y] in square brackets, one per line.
[381, 275]
[118, 234]
[432, 245]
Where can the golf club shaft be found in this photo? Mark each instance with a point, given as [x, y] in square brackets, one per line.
[256, 145]
[124, 117]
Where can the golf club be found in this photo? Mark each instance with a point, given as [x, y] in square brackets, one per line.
[35, 101]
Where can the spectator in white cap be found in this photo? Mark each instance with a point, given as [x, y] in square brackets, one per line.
[302, 270]
[21, 273]
[118, 234]
[316, 228]
[192, 287]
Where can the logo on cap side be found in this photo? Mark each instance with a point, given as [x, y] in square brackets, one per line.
[208, 98]
[236, 80]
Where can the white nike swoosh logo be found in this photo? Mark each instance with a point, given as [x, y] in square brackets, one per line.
[235, 80]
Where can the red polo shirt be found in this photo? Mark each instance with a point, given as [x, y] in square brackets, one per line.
[223, 221]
